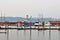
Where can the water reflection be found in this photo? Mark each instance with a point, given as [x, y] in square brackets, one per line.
[24, 34]
[3, 35]
[30, 35]
[17, 34]
[7, 34]
[59, 34]
[49, 34]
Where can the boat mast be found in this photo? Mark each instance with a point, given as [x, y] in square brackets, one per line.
[4, 17]
[1, 16]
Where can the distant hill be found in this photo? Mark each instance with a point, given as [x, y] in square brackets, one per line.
[13, 19]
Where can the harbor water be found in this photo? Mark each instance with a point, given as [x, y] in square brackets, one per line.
[30, 35]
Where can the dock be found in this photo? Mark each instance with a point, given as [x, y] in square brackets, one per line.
[31, 28]
[17, 24]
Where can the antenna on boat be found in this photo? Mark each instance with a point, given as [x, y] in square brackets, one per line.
[40, 16]
[27, 17]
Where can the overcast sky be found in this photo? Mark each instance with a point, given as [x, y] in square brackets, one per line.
[20, 8]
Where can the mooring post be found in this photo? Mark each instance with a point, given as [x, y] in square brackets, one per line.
[24, 25]
[6, 26]
[38, 26]
[43, 24]
[30, 25]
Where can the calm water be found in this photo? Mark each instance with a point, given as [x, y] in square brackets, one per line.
[30, 35]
